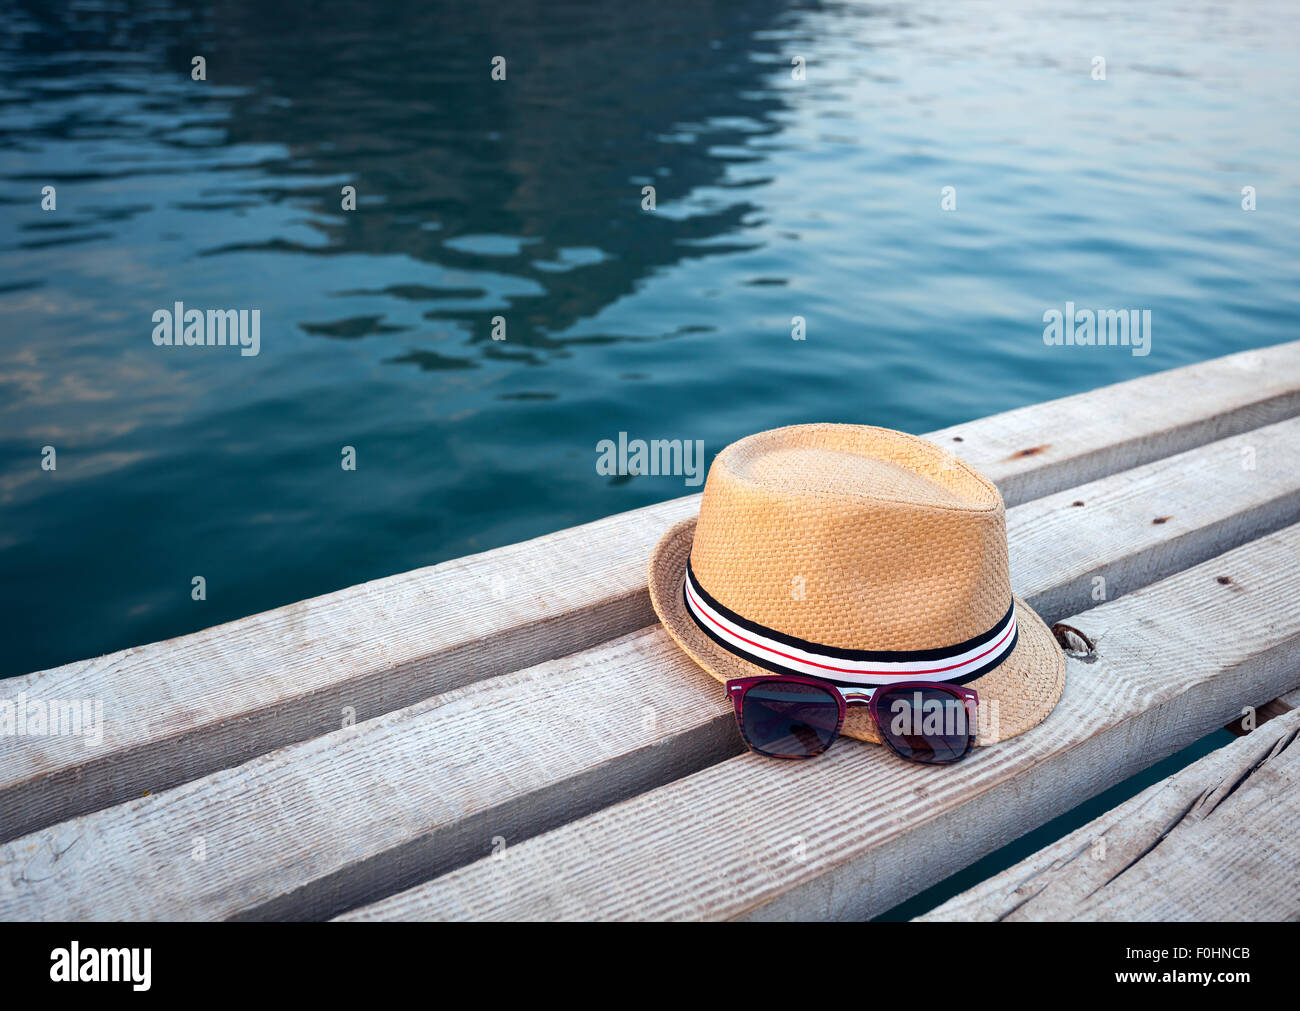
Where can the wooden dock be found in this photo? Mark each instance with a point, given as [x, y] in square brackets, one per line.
[512, 736]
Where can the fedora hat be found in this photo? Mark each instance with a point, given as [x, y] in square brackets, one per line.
[863, 556]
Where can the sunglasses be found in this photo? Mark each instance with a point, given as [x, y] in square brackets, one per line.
[793, 716]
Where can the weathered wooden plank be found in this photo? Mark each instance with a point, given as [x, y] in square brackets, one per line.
[182, 708]
[857, 830]
[522, 753]
[1154, 520]
[1248, 722]
[1043, 448]
[179, 709]
[1218, 840]
[308, 830]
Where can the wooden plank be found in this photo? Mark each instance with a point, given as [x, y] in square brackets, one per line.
[522, 753]
[1281, 705]
[1218, 840]
[1154, 520]
[309, 830]
[857, 831]
[179, 709]
[1043, 448]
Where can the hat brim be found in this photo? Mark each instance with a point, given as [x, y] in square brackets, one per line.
[1026, 686]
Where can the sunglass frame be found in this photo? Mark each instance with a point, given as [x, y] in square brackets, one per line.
[737, 688]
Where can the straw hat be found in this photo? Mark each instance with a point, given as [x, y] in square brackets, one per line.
[863, 556]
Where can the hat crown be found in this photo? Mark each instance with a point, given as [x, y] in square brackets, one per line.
[853, 537]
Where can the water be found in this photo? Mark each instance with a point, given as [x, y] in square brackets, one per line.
[522, 198]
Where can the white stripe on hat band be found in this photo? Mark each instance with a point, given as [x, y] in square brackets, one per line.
[798, 660]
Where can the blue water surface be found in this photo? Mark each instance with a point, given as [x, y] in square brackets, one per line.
[523, 198]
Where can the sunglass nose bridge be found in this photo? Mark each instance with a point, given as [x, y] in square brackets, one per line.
[853, 697]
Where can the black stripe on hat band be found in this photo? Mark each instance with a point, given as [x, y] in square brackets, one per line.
[884, 656]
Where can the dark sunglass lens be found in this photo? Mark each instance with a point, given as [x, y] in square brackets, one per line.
[926, 725]
[789, 719]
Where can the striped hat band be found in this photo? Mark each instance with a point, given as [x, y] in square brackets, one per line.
[787, 654]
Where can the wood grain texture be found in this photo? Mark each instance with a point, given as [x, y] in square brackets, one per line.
[1154, 520]
[519, 754]
[1249, 722]
[1044, 448]
[180, 709]
[857, 831]
[308, 830]
[1218, 840]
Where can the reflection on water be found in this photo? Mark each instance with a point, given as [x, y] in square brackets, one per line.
[522, 200]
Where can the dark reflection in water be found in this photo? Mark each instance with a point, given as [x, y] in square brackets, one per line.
[522, 199]
[537, 177]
